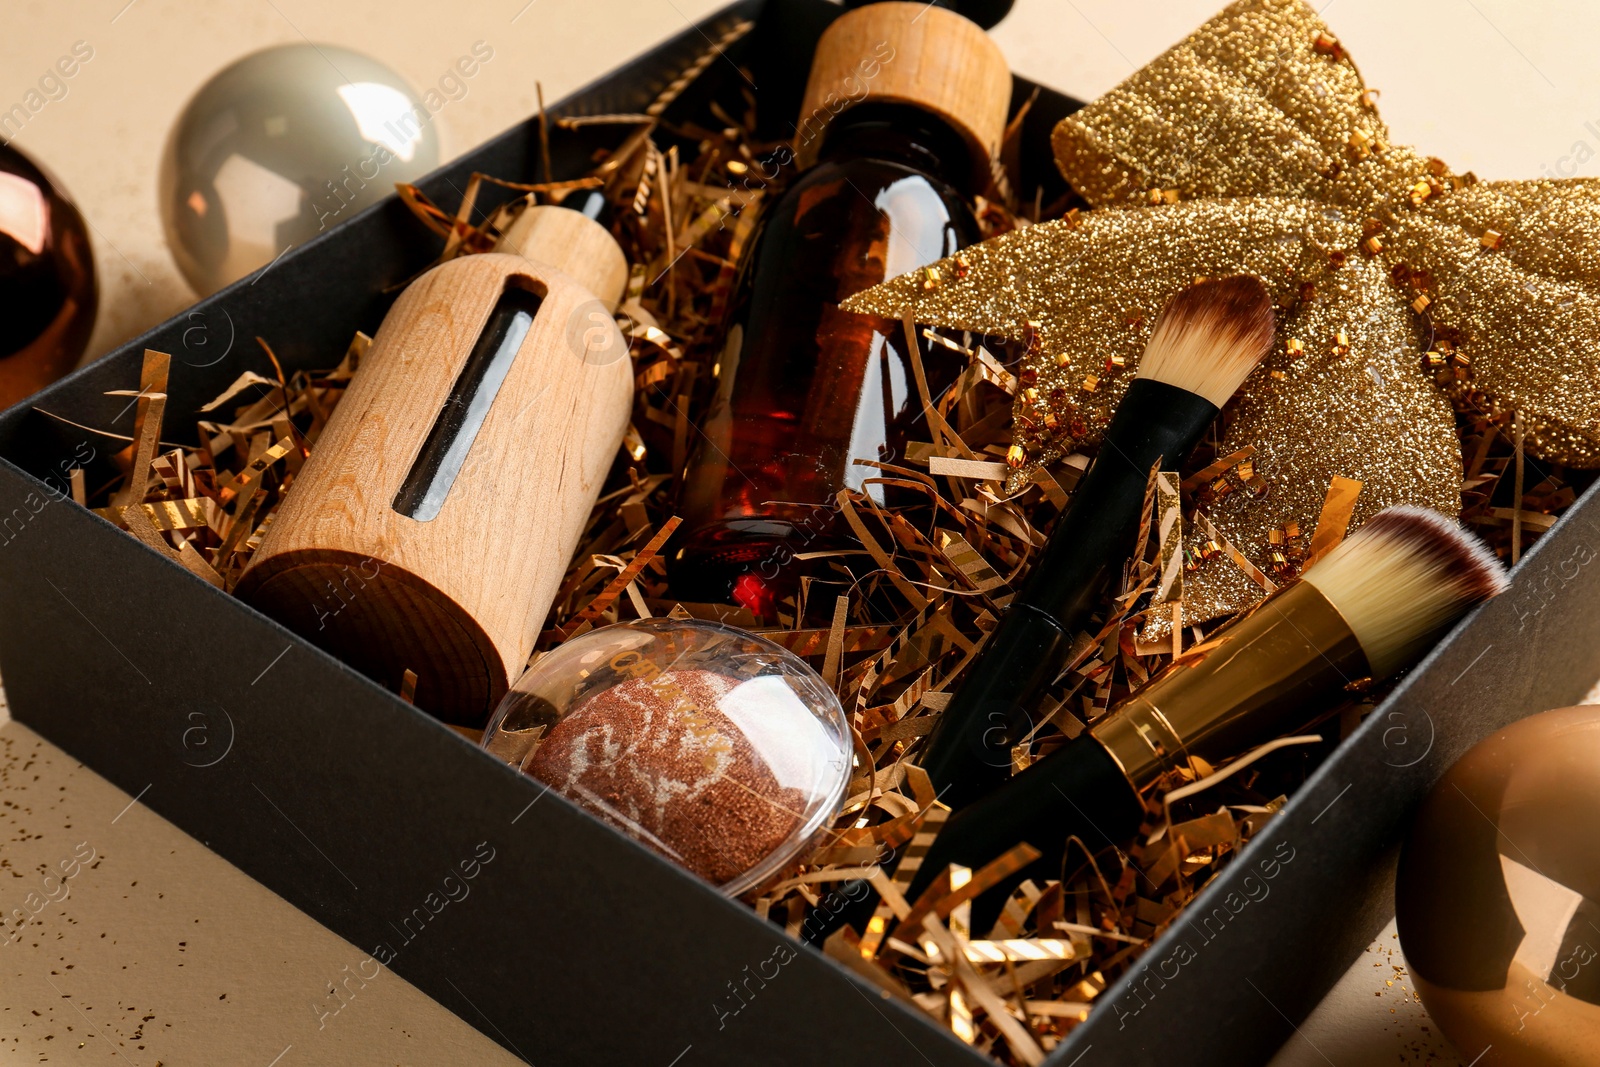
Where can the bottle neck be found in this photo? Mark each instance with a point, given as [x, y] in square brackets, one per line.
[590, 203]
[903, 134]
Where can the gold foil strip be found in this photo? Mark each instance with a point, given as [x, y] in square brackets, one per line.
[171, 470]
[191, 558]
[238, 483]
[1053, 490]
[607, 596]
[900, 829]
[859, 850]
[1169, 538]
[1208, 831]
[843, 948]
[1528, 520]
[976, 469]
[911, 860]
[919, 374]
[1017, 1038]
[922, 790]
[1212, 471]
[970, 562]
[1182, 793]
[1017, 950]
[1254, 573]
[814, 642]
[240, 384]
[1015, 913]
[187, 514]
[149, 409]
[872, 939]
[986, 368]
[942, 897]
[935, 337]
[1337, 510]
[875, 550]
[835, 649]
[138, 523]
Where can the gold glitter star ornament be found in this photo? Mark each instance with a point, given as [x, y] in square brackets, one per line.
[1320, 408]
[1399, 285]
[1258, 102]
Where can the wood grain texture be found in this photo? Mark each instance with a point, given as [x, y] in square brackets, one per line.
[461, 598]
[568, 240]
[905, 53]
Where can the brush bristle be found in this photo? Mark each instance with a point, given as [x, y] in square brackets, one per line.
[1402, 579]
[1211, 336]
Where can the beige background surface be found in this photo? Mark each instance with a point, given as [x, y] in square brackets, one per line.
[160, 952]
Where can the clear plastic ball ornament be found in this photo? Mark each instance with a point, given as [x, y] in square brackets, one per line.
[712, 746]
[279, 147]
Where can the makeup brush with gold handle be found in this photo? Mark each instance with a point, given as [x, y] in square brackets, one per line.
[1373, 605]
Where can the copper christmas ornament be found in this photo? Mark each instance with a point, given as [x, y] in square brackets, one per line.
[47, 286]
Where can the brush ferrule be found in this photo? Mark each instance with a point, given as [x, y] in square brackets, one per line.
[1280, 665]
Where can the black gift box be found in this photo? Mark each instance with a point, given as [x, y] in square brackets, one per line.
[551, 933]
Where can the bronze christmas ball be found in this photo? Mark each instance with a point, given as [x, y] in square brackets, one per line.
[47, 285]
[1498, 895]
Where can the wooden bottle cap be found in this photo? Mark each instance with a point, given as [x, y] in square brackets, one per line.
[572, 242]
[905, 53]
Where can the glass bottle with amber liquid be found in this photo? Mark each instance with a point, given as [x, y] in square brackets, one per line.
[904, 109]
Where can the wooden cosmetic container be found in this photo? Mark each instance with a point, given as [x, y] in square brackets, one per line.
[432, 525]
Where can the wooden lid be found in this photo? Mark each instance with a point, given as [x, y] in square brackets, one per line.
[905, 53]
[573, 243]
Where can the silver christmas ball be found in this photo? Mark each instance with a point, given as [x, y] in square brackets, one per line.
[281, 146]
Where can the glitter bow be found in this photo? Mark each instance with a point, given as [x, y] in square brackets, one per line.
[1397, 283]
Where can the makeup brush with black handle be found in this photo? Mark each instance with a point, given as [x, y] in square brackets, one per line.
[1205, 342]
[1373, 605]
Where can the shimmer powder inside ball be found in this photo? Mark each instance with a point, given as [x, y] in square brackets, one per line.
[713, 772]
